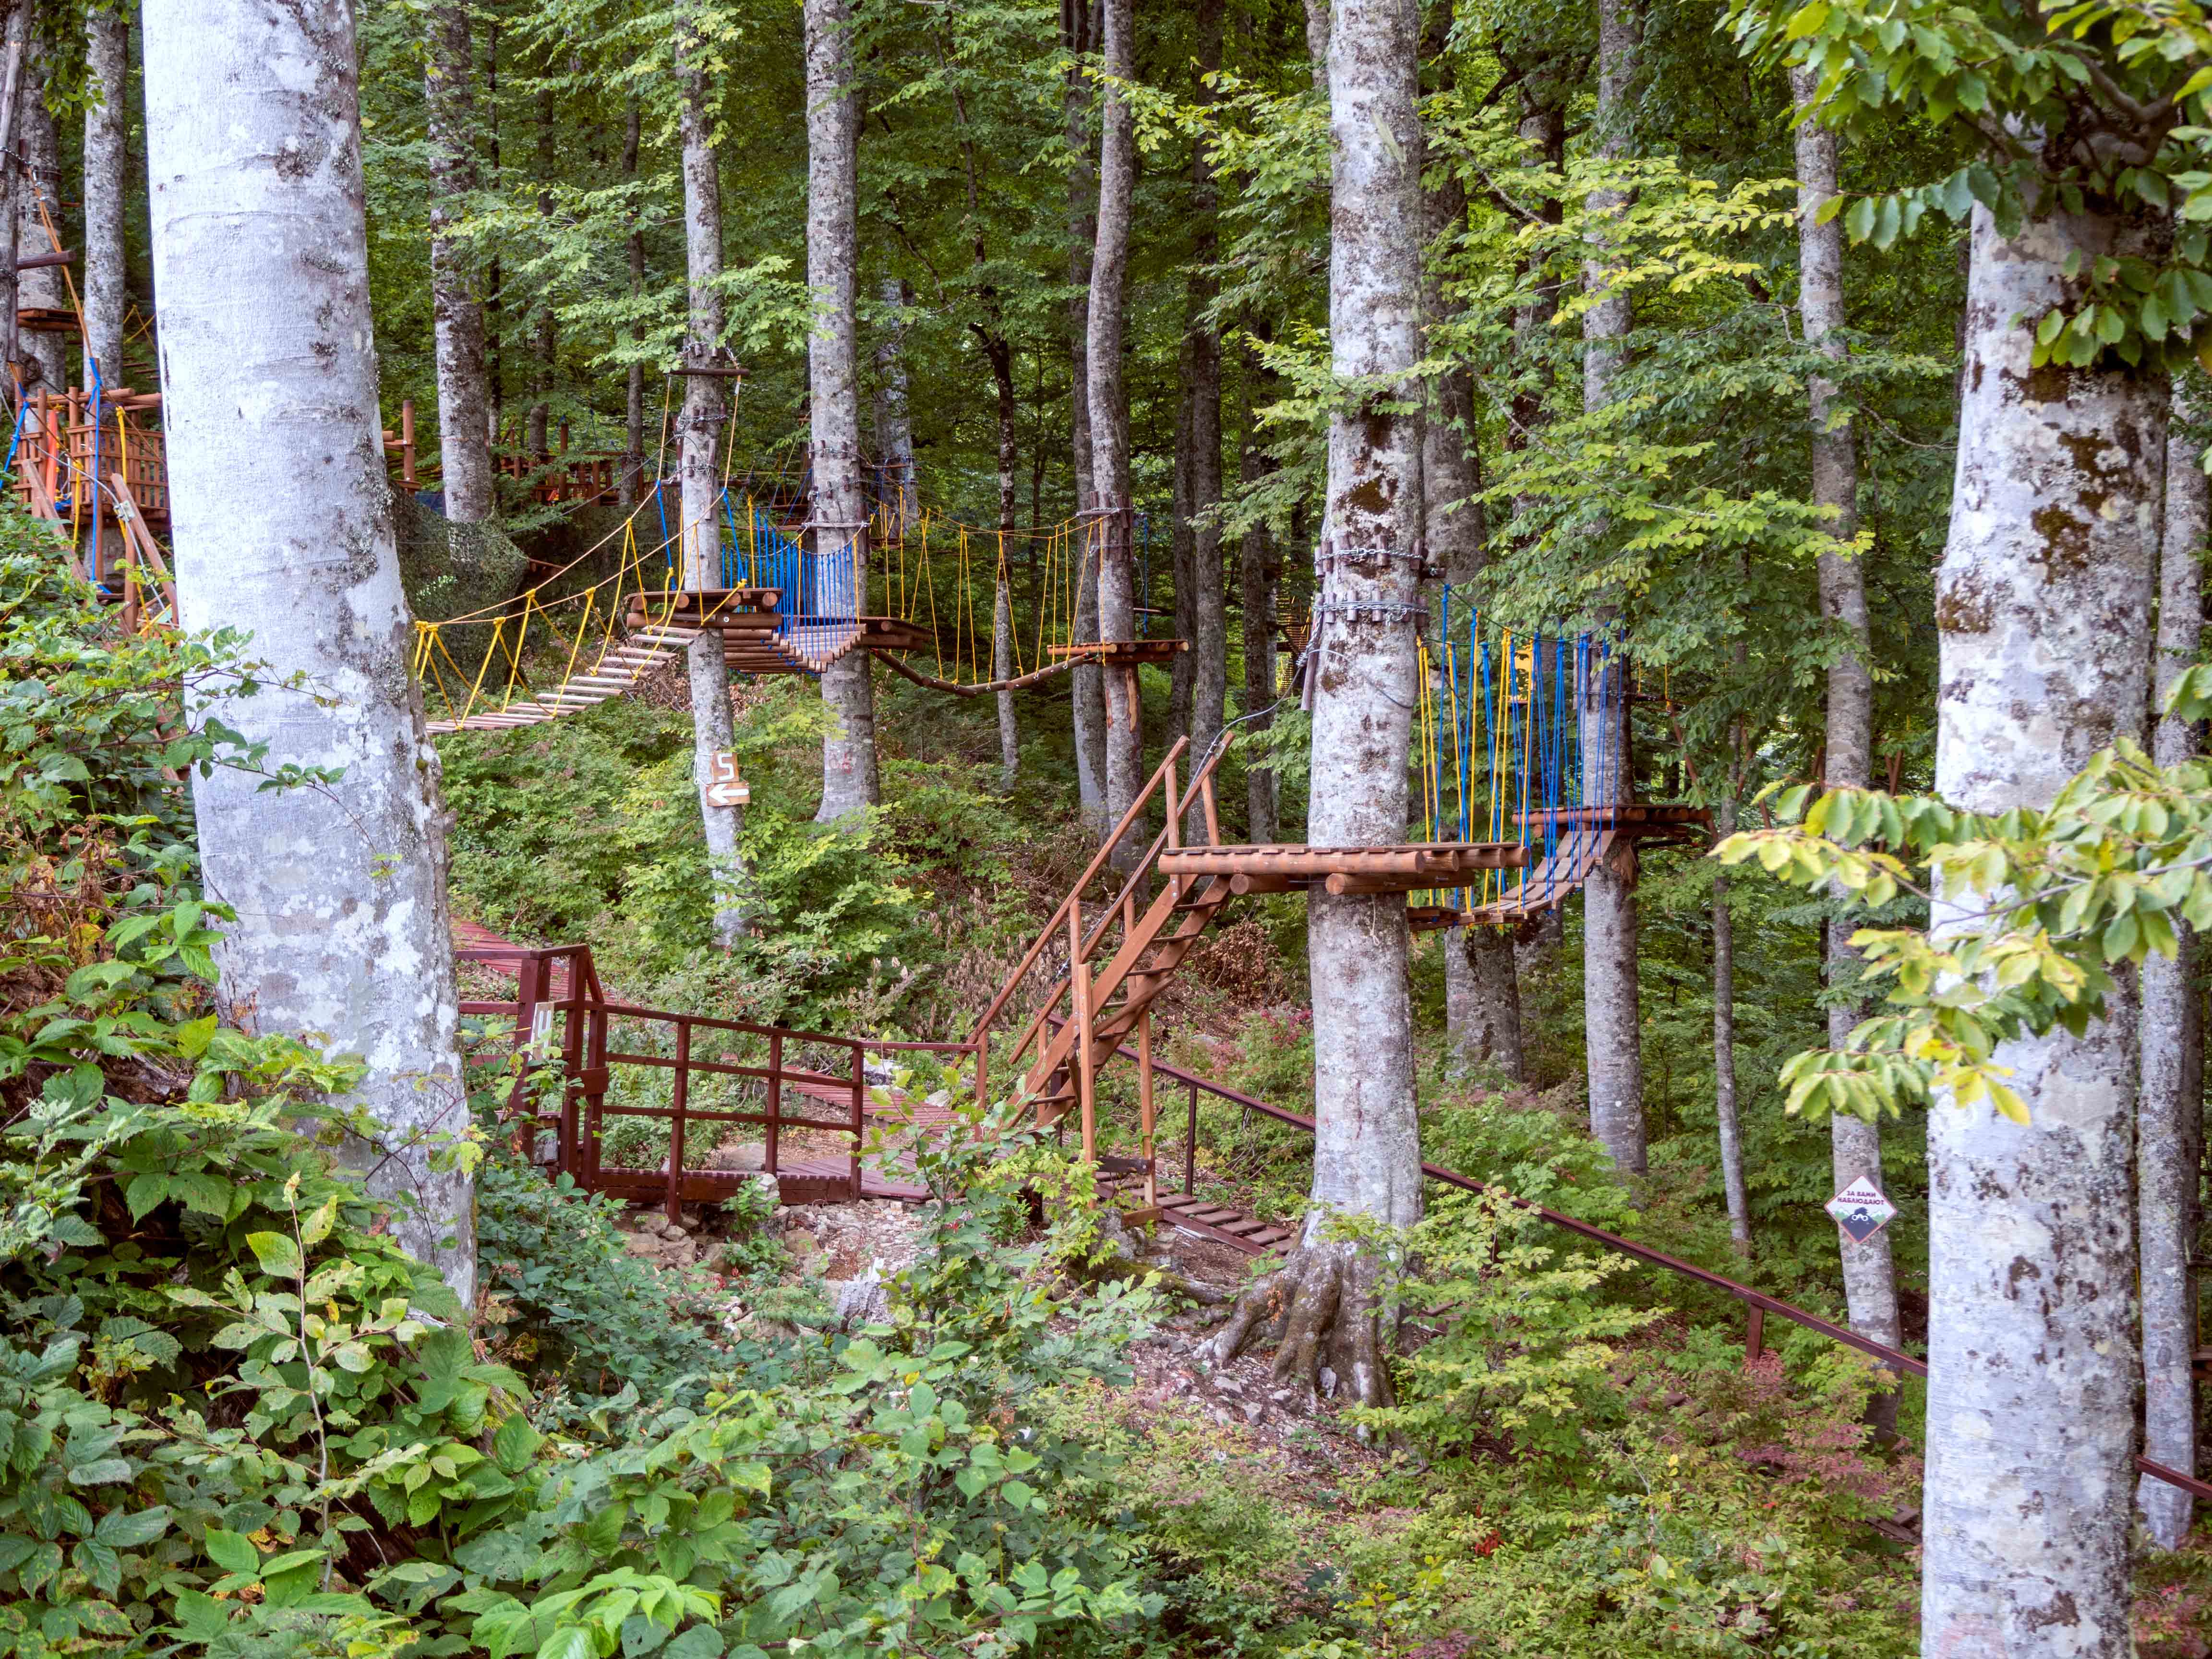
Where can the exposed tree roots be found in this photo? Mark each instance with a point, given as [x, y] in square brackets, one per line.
[1320, 1311]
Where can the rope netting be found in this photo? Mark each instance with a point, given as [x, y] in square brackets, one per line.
[1522, 740]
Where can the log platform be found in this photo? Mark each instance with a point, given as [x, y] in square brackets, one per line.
[1122, 653]
[1288, 869]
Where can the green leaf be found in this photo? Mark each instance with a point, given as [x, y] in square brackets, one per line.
[572, 1642]
[278, 1255]
[515, 1444]
[128, 1529]
[105, 1472]
[233, 1552]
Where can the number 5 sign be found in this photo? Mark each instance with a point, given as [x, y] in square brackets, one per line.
[724, 786]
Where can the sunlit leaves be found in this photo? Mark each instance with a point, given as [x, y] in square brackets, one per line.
[2033, 912]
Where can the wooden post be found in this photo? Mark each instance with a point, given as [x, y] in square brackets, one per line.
[983, 1070]
[1078, 979]
[130, 573]
[1212, 810]
[1754, 1336]
[1190, 1143]
[680, 1102]
[407, 443]
[859, 1111]
[595, 1096]
[1144, 1102]
[775, 1098]
[1174, 816]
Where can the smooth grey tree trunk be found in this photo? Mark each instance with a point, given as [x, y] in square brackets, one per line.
[15, 58]
[1258, 571]
[1869, 1279]
[1367, 1146]
[464, 381]
[1111, 525]
[713, 727]
[1209, 640]
[107, 182]
[2034, 1377]
[1725, 1100]
[2170, 1122]
[1086, 688]
[283, 529]
[39, 199]
[1613, 1019]
[901, 490]
[840, 513]
[633, 477]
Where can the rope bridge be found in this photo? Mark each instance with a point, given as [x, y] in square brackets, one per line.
[1522, 739]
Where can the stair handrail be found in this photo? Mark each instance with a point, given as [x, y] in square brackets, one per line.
[1060, 912]
[1170, 832]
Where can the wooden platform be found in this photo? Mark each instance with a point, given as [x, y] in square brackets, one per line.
[1122, 653]
[797, 1181]
[1286, 869]
[1232, 1226]
[1643, 820]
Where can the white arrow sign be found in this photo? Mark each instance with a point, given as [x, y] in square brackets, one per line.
[1861, 1210]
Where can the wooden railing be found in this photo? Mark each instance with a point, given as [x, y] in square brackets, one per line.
[604, 1054]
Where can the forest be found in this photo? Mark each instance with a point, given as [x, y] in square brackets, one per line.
[926, 827]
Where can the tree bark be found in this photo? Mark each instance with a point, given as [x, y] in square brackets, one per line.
[2170, 1126]
[541, 356]
[1869, 1279]
[632, 479]
[1367, 1127]
[283, 529]
[1086, 688]
[1111, 523]
[2033, 1375]
[41, 199]
[464, 382]
[1612, 1016]
[1258, 570]
[833, 250]
[901, 491]
[106, 184]
[13, 68]
[1209, 640]
[713, 727]
[1724, 1103]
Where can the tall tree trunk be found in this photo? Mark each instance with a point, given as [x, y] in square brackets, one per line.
[901, 490]
[1870, 1280]
[1259, 571]
[1367, 1150]
[541, 363]
[40, 199]
[1111, 521]
[2170, 1126]
[464, 388]
[1209, 640]
[2033, 1375]
[841, 511]
[1087, 688]
[713, 727]
[1724, 1101]
[106, 183]
[15, 60]
[1482, 999]
[1184, 555]
[632, 479]
[1611, 1014]
[282, 527]
[494, 301]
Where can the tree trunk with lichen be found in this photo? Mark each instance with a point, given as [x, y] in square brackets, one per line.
[2170, 1123]
[714, 728]
[457, 312]
[1320, 1306]
[2034, 1374]
[283, 529]
[849, 785]
[106, 62]
[1869, 1278]
[1111, 523]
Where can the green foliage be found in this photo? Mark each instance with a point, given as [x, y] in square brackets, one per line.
[2033, 910]
[2097, 107]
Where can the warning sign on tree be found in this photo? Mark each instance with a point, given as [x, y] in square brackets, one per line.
[1861, 1210]
[724, 786]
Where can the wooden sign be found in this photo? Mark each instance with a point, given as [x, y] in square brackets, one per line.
[724, 786]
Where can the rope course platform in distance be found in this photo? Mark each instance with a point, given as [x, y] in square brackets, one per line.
[1121, 654]
[1287, 869]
